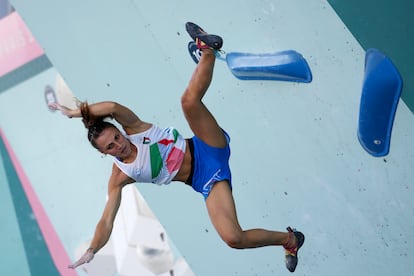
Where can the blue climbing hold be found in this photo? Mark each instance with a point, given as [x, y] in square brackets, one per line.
[283, 66]
[381, 92]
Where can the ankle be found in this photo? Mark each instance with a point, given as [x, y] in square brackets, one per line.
[290, 241]
[208, 52]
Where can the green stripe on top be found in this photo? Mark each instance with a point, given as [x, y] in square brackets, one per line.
[176, 134]
[37, 254]
[156, 160]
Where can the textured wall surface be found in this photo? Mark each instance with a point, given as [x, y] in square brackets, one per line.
[296, 159]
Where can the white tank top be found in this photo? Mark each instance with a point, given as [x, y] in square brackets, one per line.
[159, 156]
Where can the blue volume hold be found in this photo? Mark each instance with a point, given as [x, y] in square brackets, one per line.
[380, 95]
[283, 66]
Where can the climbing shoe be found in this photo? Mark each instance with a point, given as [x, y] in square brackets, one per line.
[202, 39]
[291, 252]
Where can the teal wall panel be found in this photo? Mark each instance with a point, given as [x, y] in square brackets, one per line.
[36, 253]
[387, 26]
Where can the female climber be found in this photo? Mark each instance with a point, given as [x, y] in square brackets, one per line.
[146, 153]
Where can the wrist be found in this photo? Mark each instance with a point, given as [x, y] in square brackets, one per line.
[74, 113]
[91, 250]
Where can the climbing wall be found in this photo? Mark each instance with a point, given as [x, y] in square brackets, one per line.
[296, 159]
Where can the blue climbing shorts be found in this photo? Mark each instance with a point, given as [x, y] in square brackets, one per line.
[209, 165]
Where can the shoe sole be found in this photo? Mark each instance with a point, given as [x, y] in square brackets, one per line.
[196, 32]
[193, 30]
